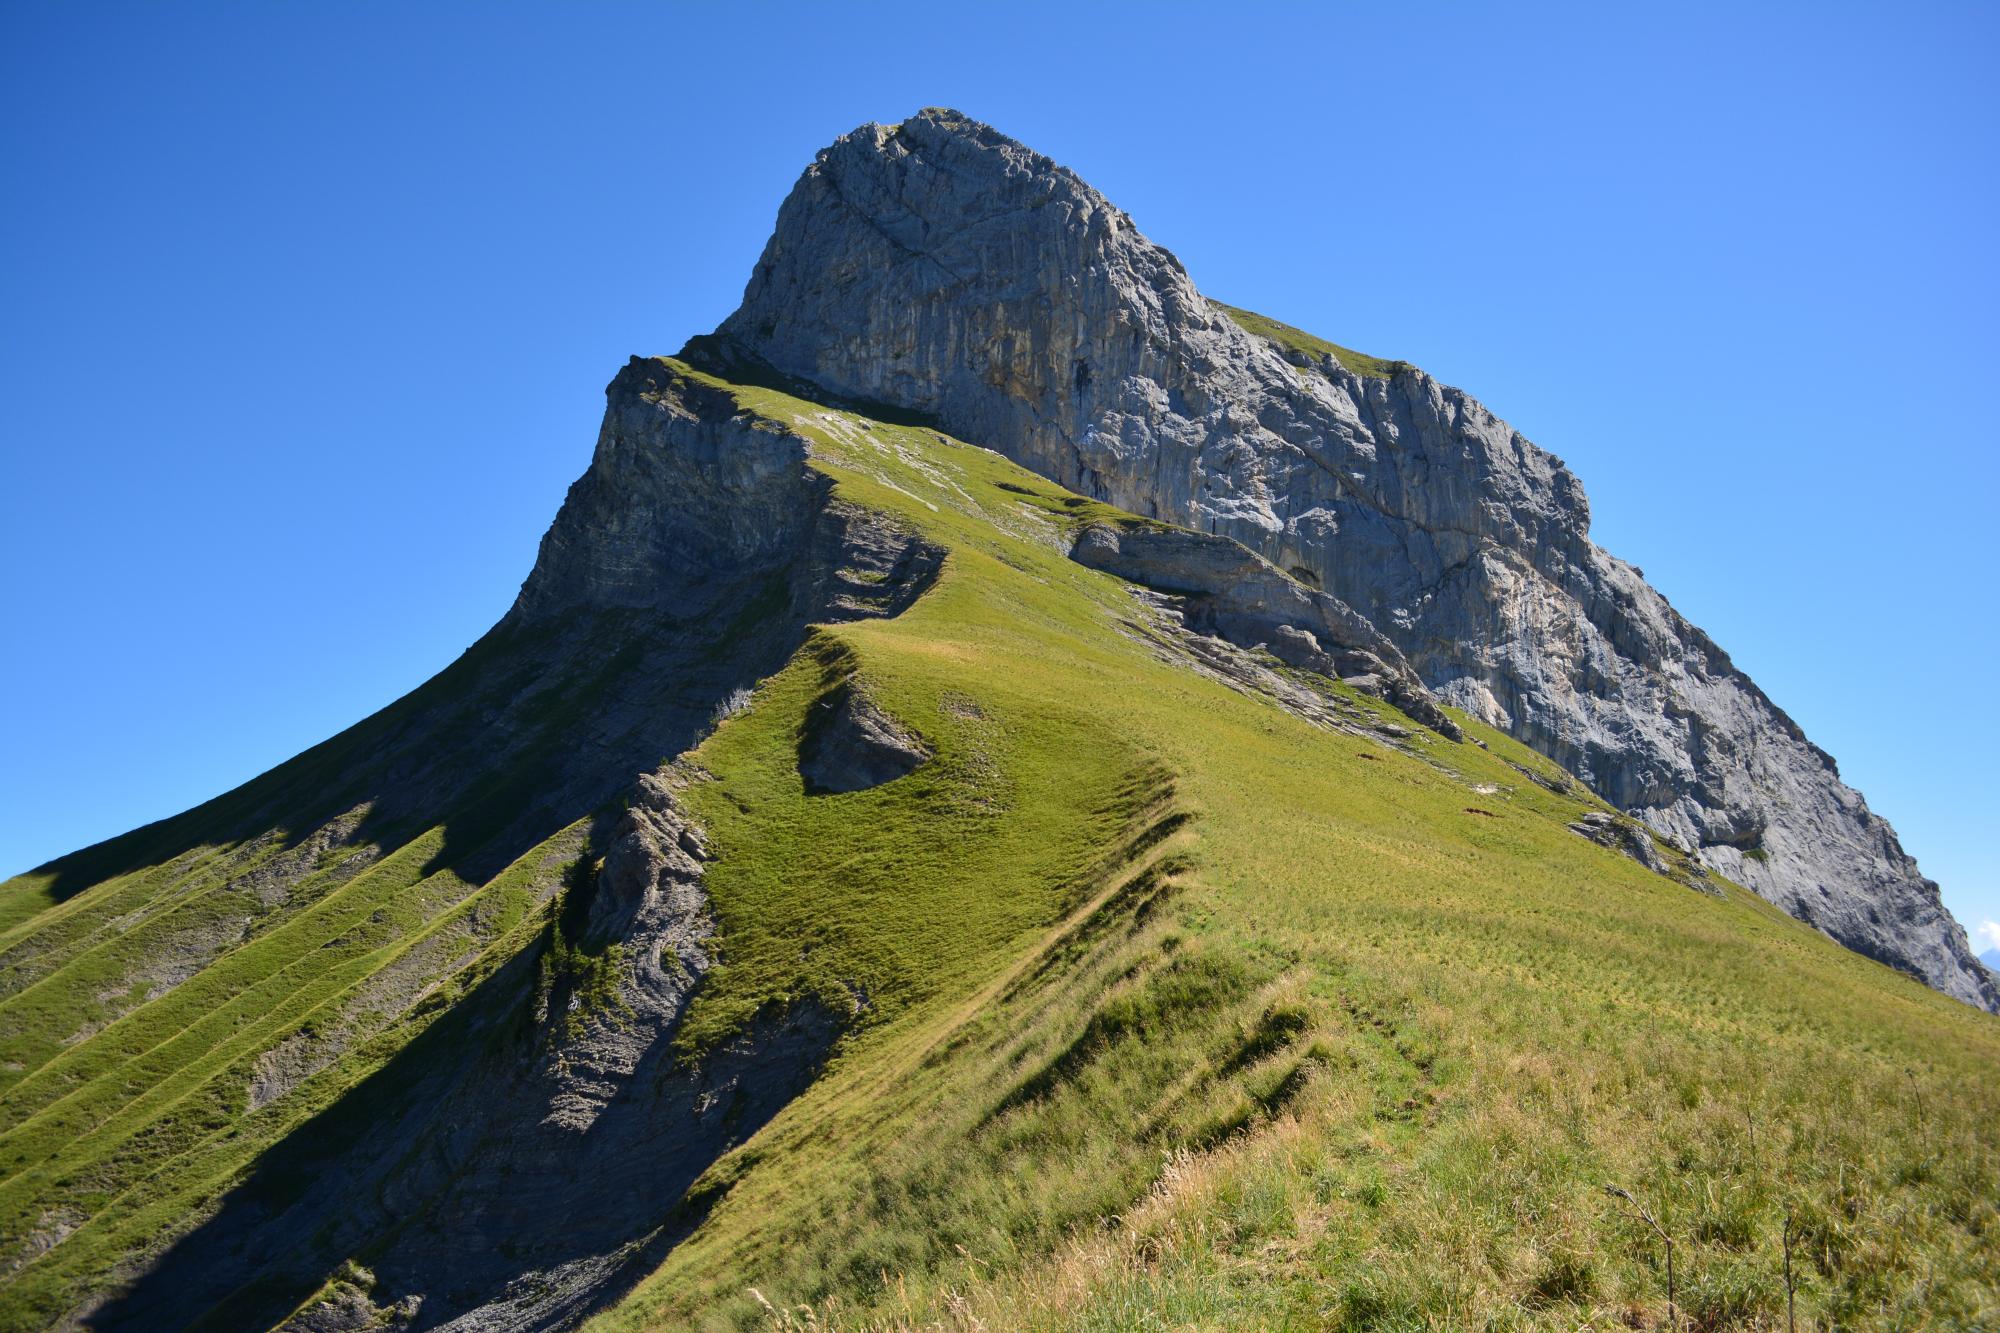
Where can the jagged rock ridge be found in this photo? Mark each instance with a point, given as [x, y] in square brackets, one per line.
[939, 267]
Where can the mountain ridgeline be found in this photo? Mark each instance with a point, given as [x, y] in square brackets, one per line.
[1016, 796]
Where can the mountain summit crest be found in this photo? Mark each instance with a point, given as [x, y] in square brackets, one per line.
[939, 267]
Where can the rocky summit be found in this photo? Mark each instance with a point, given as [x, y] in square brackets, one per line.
[938, 266]
[1017, 796]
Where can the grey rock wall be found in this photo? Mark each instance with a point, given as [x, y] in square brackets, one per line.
[1246, 600]
[939, 267]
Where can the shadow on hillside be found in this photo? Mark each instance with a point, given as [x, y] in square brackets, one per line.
[440, 1171]
[441, 1174]
[444, 1172]
[723, 357]
[532, 726]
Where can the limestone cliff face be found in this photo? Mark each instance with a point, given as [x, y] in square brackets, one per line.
[939, 267]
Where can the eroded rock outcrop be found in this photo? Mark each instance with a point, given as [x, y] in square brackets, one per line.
[941, 268]
[1235, 595]
[1622, 835]
[851, 745]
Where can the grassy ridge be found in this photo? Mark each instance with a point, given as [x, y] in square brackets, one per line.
[1309, 347]
[125, 1159]
[161, 1028]
[1359, 1044]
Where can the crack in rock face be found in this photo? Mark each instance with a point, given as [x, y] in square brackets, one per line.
[945, 271]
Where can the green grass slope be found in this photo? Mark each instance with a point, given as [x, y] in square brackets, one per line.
[1171, 1008]
[1301, 346]
[176, 1001]
[1341, 1035]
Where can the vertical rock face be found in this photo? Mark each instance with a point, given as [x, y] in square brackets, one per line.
[939, 267]
[682, 493]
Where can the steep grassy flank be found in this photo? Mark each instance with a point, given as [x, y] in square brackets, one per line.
[165, 1120]
[1354, 1037]
[238, 968]
[1304, 345]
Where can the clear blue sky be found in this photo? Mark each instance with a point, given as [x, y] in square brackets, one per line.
[307, 310]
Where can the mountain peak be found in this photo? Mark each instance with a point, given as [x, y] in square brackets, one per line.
[935, 126]
[848, 816]
[940, 268]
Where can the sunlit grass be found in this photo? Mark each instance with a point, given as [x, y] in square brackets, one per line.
[1305, 345]
[1489, 1020]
